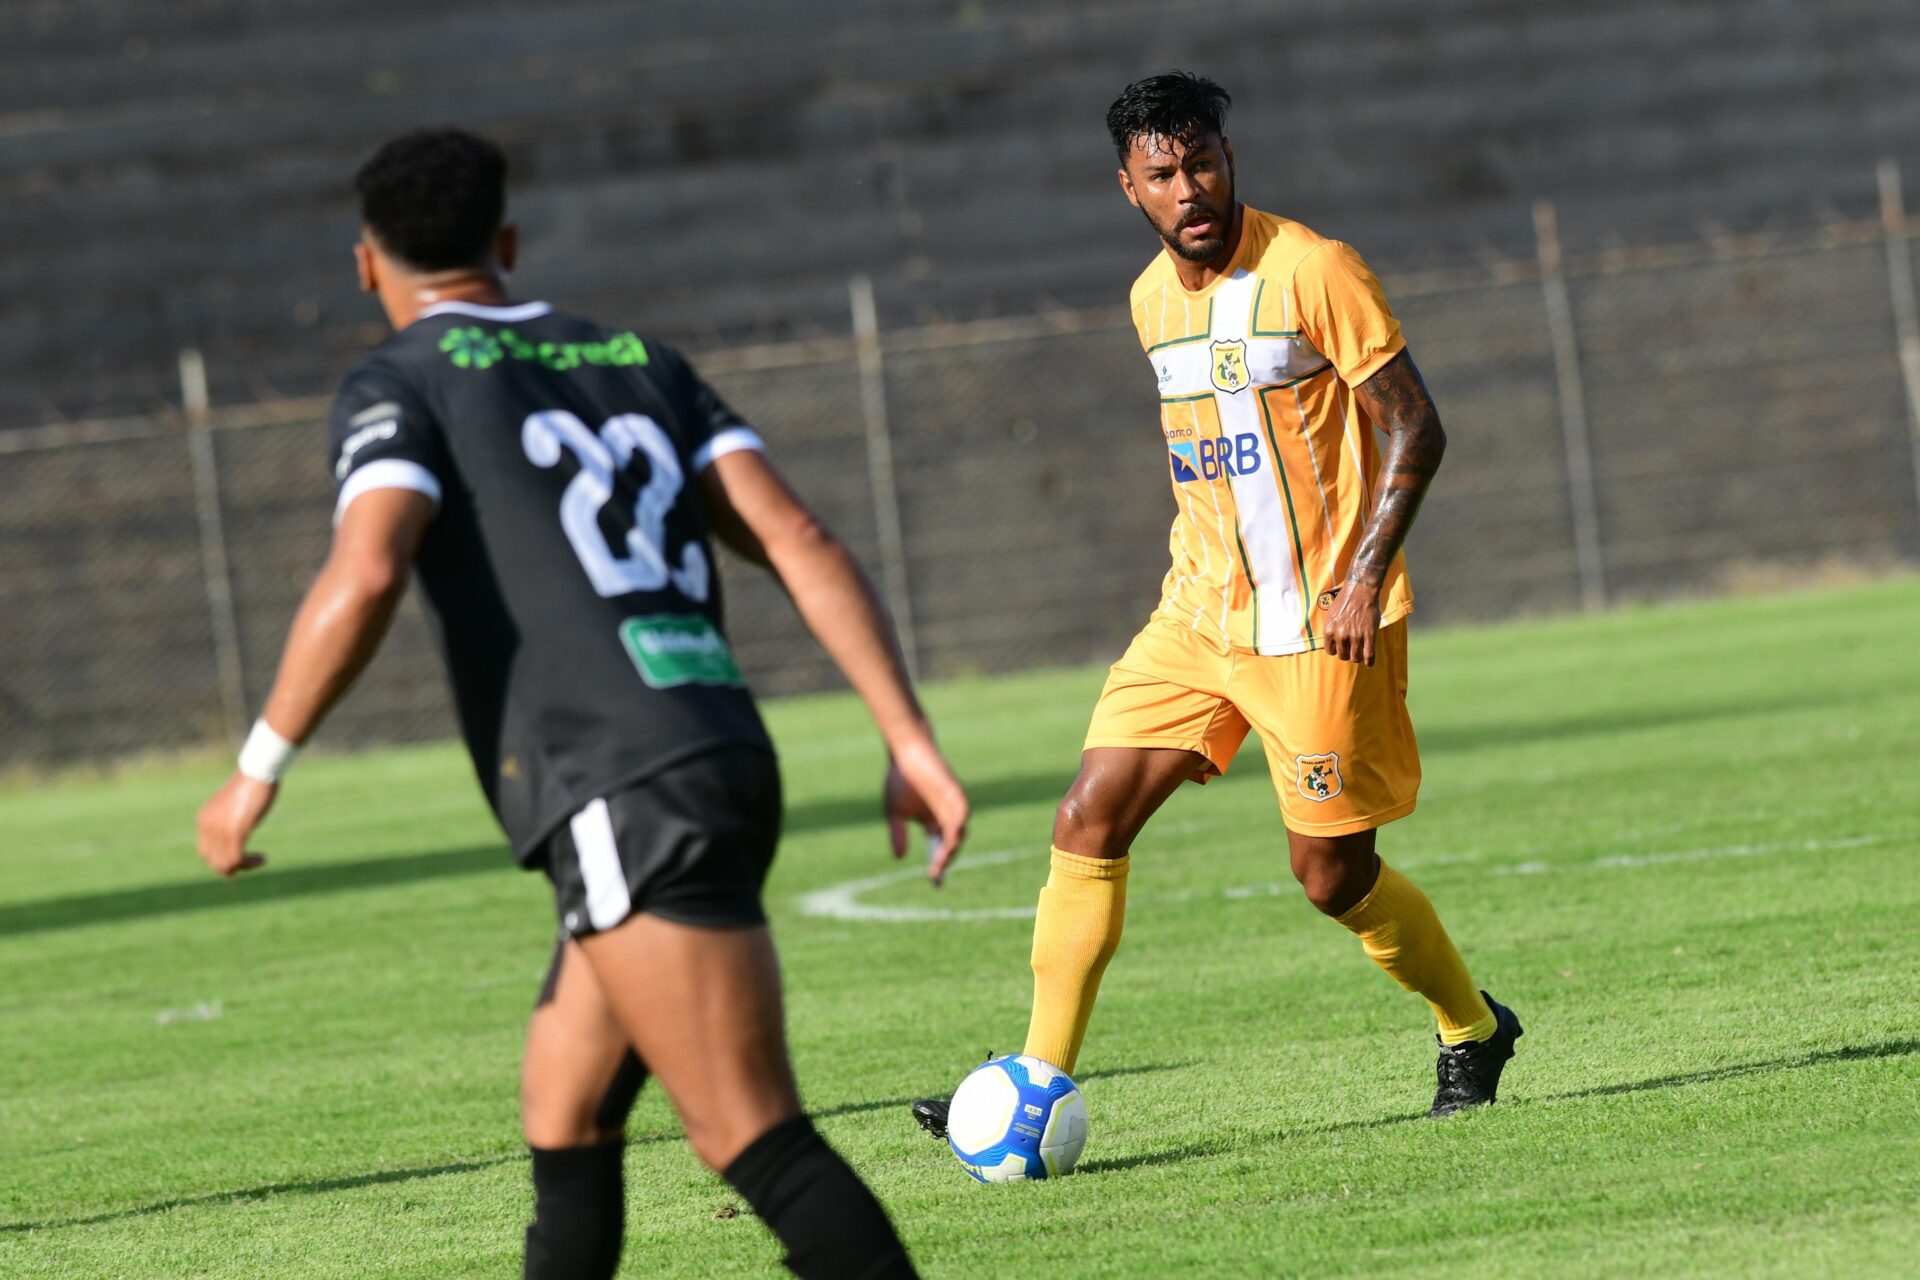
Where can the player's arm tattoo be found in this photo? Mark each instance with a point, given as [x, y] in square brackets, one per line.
[1396, 398]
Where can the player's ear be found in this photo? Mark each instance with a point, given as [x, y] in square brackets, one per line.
[365, 266]
[1227, 148]
[1126, 185]
[506, 246]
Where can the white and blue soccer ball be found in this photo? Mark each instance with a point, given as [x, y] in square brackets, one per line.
[1016, 1118]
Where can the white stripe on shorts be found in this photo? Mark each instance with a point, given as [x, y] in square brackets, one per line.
[608, 902]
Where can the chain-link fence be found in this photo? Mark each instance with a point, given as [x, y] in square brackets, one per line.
[1622, 424]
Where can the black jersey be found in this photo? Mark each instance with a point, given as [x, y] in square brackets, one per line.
[567, 569]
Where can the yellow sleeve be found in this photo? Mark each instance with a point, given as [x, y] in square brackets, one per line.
[1344, 312]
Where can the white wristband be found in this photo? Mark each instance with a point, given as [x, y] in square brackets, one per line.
[266, 754]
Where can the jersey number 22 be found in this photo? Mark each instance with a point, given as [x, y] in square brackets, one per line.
[644, 567]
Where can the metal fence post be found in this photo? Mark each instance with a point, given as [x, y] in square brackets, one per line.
[214, 569]
[1573, 409]
[886, 497]
[1906, 312]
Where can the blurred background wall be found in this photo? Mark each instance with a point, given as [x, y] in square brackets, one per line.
[1653, 258]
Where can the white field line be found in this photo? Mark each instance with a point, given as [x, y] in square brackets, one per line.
[203, 1012]
[842, 901]
[1627, 861]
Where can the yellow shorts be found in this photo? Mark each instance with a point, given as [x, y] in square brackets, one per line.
[1340, 745]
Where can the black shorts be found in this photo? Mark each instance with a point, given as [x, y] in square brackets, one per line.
[691, 845]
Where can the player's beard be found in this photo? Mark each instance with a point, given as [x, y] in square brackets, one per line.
[1198, 251]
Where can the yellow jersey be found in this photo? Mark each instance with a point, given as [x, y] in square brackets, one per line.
[1274, 462]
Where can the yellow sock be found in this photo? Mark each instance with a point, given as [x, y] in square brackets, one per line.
[1397, 927]
[1075, 932]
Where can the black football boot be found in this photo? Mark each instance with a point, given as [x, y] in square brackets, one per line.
[931, 1114]
[1469, 1073]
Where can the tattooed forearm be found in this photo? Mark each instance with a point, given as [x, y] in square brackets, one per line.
[1397, 399]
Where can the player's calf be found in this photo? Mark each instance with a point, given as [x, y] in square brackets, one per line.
[580, 1076]
[702, 1005]
[577, 1085]
[579, 1185]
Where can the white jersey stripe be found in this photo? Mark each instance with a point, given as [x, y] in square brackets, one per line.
[1319, 482]
[1246, 455]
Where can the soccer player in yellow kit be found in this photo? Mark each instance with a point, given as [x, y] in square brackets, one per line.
[1285, 609]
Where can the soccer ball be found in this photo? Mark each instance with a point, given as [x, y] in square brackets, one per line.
[1016, 1118]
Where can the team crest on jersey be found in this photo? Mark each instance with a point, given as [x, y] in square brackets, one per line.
[1229, 363]
[1319, 776]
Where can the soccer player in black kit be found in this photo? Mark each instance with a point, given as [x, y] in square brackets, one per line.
[554, 483]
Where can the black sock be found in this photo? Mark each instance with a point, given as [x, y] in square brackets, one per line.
[579, 1212]
[830, 1223]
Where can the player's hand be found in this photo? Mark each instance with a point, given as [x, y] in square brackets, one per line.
[1353, 625]
[228, 821]
[921, 787]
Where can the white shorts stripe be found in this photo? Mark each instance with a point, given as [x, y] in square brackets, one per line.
[608, 902]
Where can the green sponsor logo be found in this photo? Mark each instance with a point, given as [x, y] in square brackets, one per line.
[471, 348]
[475, 348]
[676, 649]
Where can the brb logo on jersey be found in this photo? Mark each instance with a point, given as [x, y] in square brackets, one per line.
[1229, 364]
[1205, 459]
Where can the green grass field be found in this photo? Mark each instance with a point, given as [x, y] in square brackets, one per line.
[1680, 842]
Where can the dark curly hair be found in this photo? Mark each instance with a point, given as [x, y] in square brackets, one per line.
[1178, 105]
[434, 198]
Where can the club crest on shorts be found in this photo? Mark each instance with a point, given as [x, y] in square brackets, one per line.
[1229, 361]
[1319, 776]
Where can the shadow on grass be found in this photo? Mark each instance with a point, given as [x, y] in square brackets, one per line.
[321, 1186]
[1824, 1057]
[1198, 1150]
[1168, 1155]
[889, 1104]
[277, 883]
[1799, 1062]
[1470, 736]
[274, 884]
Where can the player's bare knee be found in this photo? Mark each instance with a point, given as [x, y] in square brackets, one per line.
[555, 1123]
[1325, 890]
[1320, 877]
[1085, 828]
[1332, 884]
